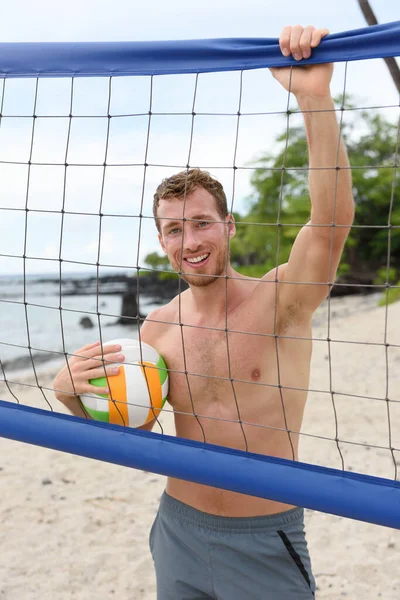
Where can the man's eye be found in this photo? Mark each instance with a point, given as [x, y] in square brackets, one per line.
[202, 223]
[174, 231]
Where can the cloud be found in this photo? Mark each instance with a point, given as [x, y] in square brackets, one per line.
[51, 251]
[107, 245]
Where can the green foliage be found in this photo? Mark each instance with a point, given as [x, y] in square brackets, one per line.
[157, 262]
[256, 271]
[376, 194]
[390, 295]
[168, 276]
[282, 196]
[384, 275]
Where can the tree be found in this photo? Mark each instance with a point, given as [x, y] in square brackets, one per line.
[157, 262]
[281, 195]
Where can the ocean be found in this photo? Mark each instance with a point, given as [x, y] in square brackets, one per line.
[47, 329]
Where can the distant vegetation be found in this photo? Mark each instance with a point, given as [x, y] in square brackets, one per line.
[371, 141]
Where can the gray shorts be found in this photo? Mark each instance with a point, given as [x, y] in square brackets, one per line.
[199, 556]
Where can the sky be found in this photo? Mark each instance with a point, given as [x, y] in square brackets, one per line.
[125, 240]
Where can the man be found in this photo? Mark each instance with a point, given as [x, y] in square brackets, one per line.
[239, 353]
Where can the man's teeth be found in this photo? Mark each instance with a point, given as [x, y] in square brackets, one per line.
[198, 258]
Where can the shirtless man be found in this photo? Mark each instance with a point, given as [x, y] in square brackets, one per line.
[208, 542]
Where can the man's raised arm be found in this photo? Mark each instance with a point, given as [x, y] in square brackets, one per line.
[316, 252]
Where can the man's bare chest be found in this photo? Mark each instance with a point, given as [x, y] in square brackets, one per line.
[208, 360]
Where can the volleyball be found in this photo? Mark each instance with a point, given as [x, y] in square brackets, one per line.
[137, 393]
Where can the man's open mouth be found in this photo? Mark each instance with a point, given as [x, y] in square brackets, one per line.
[197, 261]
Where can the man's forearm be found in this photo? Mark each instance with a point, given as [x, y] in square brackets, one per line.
[73, 403]
[330, 176]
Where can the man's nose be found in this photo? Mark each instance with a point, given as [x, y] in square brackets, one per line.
[190, 237]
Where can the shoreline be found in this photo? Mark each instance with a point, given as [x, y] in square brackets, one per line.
[340, 306]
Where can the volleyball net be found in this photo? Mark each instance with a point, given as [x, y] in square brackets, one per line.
[87, 132]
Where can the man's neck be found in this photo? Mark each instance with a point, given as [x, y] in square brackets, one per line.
[213, 301]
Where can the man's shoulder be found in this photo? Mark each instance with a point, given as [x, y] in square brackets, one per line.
[159, 320]
[268, 294]
[289, 314]
[160, 314]
[275, 274]
[265, 287]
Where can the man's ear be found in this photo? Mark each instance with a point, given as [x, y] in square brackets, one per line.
[230, 220]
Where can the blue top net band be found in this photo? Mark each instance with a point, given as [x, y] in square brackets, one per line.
[347, 494]
[104, 59]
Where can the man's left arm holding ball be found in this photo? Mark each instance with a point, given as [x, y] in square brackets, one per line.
[72, 381]
[90, 362]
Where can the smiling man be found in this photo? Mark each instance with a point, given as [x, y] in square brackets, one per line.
[190, 210]
[239, 350]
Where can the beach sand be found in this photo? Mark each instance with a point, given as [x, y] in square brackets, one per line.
[76, 528]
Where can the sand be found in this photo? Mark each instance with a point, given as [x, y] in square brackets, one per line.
[76, 528]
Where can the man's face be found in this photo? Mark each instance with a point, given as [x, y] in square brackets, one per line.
[198, 246]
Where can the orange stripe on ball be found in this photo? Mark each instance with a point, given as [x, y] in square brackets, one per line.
[150, 372]
[117, 406]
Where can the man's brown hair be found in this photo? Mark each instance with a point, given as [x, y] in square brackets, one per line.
[184, 183]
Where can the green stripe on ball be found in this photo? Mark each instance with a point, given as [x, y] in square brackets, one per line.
[100, 382]
[97, 415]
[162, 369]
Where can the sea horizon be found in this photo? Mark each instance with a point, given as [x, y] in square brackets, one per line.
[48, 323]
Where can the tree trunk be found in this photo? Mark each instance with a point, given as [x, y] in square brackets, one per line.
[390, 62]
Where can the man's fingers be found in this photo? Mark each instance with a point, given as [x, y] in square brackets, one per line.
[284, 40]
[305, 41]
[93, 389]
[106, 371]
[295, 37]
[94, 350]
[317, 36]
[92, 345]
[299, 40]
[99, 361]
[85, 350]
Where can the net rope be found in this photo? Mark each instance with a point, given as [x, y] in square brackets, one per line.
[391, 447]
